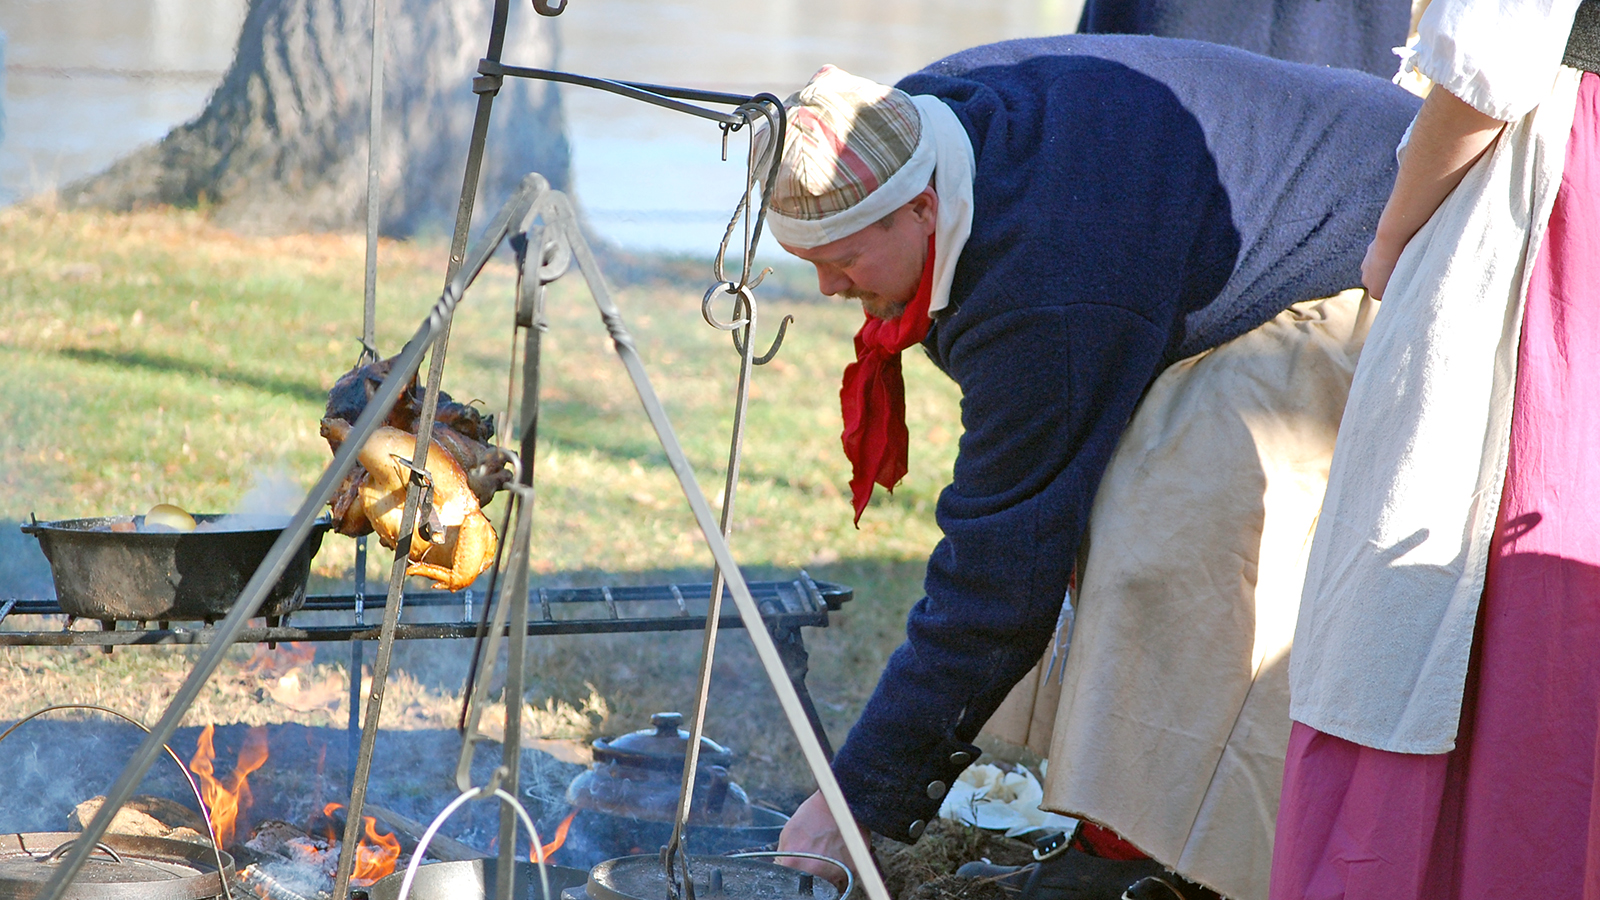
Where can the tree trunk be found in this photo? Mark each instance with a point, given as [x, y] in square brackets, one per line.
[282, 144]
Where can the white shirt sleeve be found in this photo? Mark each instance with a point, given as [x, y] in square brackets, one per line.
[1500, 56]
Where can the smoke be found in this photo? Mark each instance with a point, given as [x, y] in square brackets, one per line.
[272, 498]
[272, 493]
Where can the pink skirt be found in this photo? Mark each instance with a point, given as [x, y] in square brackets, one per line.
[1514, 810]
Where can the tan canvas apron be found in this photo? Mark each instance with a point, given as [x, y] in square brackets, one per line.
[1167, 720]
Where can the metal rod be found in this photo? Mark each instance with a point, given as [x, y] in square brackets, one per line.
[513, 212]
[516, 677]
[517, 589]
[352, 729]
[369, 341]
[694, 94]
[430, 400]
[480, 134]
[708, 647]
[287, 543]
[406, 631]
[374, 199]
[558, 208]
[651, 94]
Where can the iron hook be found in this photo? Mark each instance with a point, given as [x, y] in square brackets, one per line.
[546, 8]
[783, 328]
[743, 301]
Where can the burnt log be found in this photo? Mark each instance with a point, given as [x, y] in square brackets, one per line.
[282, 144]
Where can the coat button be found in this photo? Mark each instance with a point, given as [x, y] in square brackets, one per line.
[917, 828]
[960, 758]
[936, 790]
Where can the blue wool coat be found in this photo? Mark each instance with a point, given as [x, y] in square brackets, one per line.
[1136, 200]
[1353, 34]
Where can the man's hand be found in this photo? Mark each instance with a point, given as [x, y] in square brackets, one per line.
[812, 830]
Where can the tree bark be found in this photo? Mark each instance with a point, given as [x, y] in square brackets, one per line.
[282, 144]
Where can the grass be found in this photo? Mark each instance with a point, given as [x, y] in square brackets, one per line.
[157, 358]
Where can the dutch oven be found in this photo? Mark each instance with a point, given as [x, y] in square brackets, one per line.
[638, 776]
[123, 867]
[150, 576]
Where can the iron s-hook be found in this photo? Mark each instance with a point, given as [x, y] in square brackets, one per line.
[546, 8]
[744, 318]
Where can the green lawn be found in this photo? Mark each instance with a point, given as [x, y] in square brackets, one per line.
[156, 358]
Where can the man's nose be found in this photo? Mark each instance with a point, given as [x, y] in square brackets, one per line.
[831, 281]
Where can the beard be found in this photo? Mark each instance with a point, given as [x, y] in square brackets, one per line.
[875, 305]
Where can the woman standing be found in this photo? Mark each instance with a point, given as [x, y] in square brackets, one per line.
[1445, 747]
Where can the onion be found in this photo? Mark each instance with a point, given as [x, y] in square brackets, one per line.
[166, 517]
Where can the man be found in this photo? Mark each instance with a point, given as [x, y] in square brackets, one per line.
[1056, 221]
[1354, 34]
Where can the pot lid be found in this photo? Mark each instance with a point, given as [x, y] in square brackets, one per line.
[120, 867]
[661, 746]
[725, 878]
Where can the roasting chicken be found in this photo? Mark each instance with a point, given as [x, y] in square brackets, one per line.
[465, 469]
[453, 542]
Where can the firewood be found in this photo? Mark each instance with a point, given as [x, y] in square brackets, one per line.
[442, 848]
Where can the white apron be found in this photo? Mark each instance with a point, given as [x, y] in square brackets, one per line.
[1397, 569]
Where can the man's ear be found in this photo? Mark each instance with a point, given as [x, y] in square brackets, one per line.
[924, 208]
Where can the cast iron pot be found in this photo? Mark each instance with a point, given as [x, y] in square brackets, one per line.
[638, 776]
[123, 867]
[474, 879]
[162, 576]
[598, 836]
[643, 878]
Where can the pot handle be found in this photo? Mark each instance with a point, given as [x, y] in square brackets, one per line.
[205, 812]
[717, 792]
[65, 846]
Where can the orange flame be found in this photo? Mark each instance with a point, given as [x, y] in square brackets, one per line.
[228, 798]
[556, 842]
[375, 860]
[273, 663]
[376, 854]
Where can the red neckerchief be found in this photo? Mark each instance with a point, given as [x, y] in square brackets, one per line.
[873, 396]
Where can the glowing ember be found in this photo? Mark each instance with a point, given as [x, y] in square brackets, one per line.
[228, 798]
[376, 853]
[556, 842]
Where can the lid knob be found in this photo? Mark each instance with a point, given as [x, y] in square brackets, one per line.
[667, 723]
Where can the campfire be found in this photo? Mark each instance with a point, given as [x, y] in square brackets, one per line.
[283, 859]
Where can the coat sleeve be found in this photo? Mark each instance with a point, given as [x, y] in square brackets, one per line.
[1046, 392]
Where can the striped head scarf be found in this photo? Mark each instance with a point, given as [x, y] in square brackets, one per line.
[854, 153]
